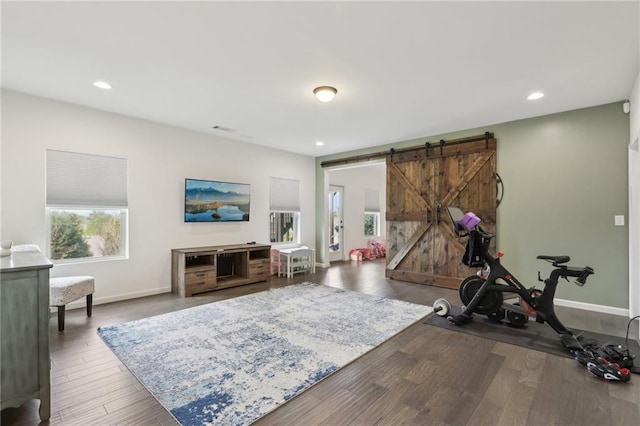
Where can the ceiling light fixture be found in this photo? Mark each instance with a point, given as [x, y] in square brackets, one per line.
[535, 95]
[325, 93]
[102, 85]
[319, 143]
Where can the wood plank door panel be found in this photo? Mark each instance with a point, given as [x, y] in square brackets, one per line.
[420, 185]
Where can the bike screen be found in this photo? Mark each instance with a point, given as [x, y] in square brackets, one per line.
[456, 214]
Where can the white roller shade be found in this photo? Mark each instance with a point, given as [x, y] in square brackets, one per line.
[284, 195]
[371, 200]
[75, 179]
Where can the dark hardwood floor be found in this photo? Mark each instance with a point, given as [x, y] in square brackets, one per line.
[425, 375]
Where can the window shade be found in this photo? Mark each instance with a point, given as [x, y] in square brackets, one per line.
[371, 200]
[75, 179]
[284, 195]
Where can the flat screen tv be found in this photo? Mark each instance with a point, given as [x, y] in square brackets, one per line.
[215, 201]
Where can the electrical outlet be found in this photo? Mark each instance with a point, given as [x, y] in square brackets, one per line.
[619, 220]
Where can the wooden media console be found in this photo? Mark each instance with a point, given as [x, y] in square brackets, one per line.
[202, 269]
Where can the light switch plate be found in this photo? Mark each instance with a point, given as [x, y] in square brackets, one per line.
[619, 220]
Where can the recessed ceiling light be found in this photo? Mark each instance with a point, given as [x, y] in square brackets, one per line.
[319, 143]
[102, 84]
[325, 93]
[535, 95]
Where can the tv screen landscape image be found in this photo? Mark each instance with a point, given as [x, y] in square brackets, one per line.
[214, 201]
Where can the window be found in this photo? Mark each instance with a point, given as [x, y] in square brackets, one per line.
[284, 214]
[371, 224]
[283, 227]
[87, 210]
[371, 213]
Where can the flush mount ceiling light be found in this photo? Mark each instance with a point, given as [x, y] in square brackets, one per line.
[535, 95]
[319, 143]
[102, 85]
[325, 93]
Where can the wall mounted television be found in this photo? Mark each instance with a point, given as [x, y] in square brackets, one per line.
[215, 201]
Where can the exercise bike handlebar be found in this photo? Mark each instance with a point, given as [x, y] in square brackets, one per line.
[581, 274]
[582, 279]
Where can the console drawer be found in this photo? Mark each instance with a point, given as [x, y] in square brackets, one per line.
[261, 268]
[200, 278]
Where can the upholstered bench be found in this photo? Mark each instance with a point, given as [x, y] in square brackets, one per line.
[64, 290]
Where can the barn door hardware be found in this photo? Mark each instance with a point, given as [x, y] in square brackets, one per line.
[411, 153]
[499, 189]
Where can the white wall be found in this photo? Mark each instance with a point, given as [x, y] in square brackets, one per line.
[634, 201]
[160, 158]
[355, 180]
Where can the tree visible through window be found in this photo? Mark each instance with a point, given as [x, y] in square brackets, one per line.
[67, 236]
[86, 233]
[371, 224]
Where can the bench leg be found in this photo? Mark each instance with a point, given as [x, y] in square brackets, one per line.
[89, 304]
[61, 318]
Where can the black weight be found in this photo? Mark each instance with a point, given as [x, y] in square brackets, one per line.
[517, 319]
[497, 316]
[490, 302]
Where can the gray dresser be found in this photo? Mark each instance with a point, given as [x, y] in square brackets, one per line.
[24, 328]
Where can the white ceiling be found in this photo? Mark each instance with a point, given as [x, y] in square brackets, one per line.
[403, 70]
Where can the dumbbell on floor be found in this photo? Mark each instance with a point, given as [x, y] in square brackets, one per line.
[442, 307]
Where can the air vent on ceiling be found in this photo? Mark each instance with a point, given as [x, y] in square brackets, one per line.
[224, 129]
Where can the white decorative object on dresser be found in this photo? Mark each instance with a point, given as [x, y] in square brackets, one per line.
[5, 248]
[24, 330]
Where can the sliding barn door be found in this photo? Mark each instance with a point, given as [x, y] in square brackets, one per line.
[421, 183]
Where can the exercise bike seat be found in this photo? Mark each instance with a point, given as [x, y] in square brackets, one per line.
[555, 260]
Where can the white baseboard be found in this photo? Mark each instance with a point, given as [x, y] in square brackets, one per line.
[592, 307]
[323, 265]
[80, 303]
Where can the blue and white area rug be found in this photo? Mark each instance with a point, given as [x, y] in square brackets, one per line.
[233, 361]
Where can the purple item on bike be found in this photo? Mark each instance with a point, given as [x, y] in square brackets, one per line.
[469, 220]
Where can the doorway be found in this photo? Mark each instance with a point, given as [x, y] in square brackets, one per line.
[336, 223]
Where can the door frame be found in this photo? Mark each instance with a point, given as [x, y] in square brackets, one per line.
[337, 255]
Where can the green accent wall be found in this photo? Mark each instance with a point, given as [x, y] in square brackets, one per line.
[565, 178]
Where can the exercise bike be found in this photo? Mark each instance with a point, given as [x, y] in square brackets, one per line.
[485, 292]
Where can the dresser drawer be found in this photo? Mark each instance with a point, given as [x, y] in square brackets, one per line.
[204, 277]
[200, 287]
[262, 268]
